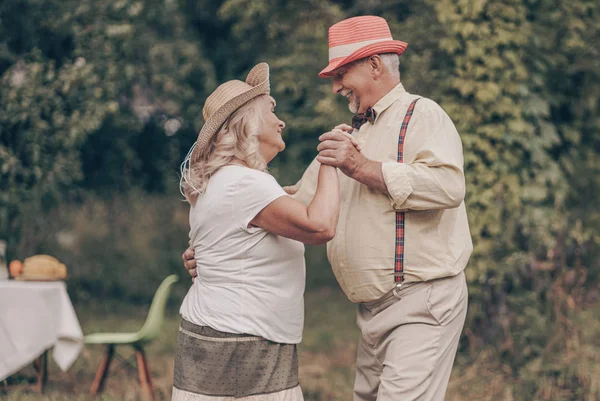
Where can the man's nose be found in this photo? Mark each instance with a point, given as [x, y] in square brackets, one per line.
[282, 124]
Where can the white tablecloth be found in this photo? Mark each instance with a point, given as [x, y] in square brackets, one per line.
[36, 316]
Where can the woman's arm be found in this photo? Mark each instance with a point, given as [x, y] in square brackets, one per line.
[315, 224]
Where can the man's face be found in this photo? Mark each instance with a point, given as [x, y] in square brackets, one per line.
[352, 81]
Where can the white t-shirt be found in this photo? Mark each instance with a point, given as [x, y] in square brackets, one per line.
[249, 281]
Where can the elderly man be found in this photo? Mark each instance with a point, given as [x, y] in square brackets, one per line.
[403, 238]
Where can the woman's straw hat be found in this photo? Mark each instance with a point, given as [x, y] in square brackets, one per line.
[226, 99]
[359, 37]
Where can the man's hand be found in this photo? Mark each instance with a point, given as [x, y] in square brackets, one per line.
[189, 262]
[347, 131]
[339, 149]
[344, 127]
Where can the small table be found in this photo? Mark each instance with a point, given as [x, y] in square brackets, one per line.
[34, 317]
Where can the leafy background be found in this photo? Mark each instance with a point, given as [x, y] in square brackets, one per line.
[100, 101]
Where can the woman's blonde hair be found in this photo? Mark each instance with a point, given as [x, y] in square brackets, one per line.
[235, 142]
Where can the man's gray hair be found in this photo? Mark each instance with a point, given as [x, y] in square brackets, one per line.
[391, 62]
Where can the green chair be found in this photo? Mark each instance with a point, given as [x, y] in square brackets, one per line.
[149, 331]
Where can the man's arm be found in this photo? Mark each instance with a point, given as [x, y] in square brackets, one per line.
[434, 180]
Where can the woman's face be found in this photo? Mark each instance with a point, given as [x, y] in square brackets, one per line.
[270, 141]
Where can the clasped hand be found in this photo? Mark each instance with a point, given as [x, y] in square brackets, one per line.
[340, 149]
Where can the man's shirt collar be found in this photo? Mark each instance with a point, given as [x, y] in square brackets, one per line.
[388, 100]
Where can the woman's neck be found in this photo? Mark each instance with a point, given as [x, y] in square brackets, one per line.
[237, 162]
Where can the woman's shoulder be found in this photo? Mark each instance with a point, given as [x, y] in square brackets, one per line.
[245, 174]
[236, 178]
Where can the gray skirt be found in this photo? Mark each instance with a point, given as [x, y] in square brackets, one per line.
[215, 363]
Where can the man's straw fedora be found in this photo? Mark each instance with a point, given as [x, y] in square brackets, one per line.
[359, 37]
[226, 99]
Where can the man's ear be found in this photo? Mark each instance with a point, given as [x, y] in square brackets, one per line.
[376, 65]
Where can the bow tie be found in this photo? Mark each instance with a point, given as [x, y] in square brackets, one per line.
[359, 119]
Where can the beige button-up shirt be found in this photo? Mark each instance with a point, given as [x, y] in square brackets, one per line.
[429, 186]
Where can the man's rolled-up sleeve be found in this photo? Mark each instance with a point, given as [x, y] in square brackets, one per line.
[434, 179]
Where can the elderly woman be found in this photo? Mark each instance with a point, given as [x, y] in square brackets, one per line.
[244, 314]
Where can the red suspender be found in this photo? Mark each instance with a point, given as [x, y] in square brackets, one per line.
[399, 249]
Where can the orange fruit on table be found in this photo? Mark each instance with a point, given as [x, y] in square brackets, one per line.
[15, 268]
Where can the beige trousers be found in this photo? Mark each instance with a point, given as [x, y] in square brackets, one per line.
[409, 340]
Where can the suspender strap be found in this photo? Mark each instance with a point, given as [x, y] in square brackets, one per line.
[399, 250]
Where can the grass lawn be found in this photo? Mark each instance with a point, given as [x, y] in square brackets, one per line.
[326, 359]
[326, 355]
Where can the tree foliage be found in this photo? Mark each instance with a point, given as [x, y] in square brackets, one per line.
[106, 97]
